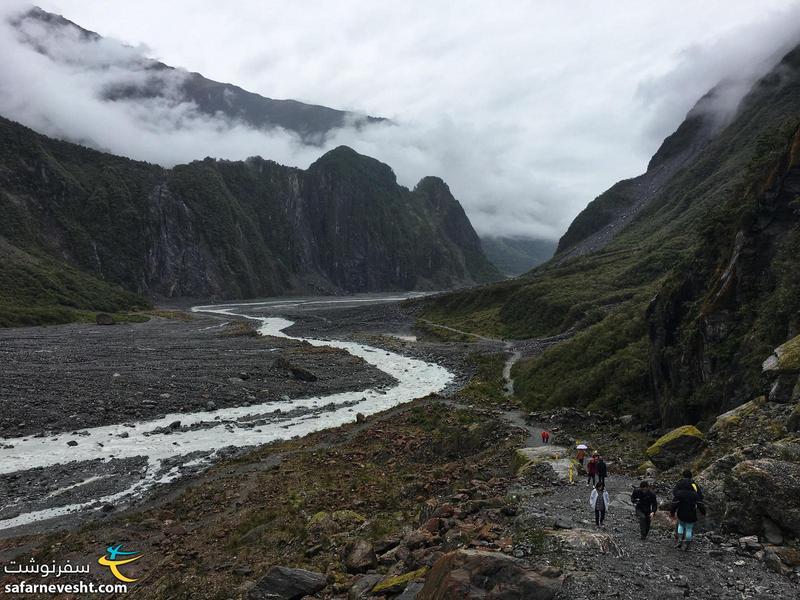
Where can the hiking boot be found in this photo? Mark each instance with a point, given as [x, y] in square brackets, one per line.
[679, 545]
[686, 547]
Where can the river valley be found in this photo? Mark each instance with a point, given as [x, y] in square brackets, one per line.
[110, 414]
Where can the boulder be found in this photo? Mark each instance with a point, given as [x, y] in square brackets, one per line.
[104, 319]
[325, 523]
[675, 447]
[557, 458]
[360, 556]
[782, 372]
[361, 589]
[759, 488]
[297, 372]
[583, 539]
[284, 583]
[473, 575]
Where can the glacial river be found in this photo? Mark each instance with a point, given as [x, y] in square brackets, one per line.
[220, 428]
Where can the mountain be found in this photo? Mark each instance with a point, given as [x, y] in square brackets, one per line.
[111, 227]
[138, 78]
[514, 256]
[677, 284]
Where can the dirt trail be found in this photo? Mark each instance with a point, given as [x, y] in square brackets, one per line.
[651, 569]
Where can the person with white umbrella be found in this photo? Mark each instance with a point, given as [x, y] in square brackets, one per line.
[581, 448]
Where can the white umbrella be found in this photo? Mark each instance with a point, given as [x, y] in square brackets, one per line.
[581, 447]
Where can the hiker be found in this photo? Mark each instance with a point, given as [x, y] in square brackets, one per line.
[686, 483]
[598, 500]
[591, 471]
[581, 455]
[685, 504]
[602, 470]
[545, 436]
[646, 504]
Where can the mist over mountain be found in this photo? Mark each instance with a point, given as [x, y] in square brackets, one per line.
[523, 149]
[674, 285]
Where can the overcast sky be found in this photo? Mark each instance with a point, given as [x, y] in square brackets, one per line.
[527, 109]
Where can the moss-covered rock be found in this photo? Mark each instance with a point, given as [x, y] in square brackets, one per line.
[676, 446]
[557, 457]
[786, 357]
[325, 523]
[397, 583]
[645, 467]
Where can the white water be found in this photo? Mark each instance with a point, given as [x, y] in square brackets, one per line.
[415, 379]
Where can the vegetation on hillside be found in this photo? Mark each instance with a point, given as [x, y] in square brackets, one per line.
[676, 314]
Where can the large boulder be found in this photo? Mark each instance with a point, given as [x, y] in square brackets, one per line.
[764, 487]
[284, 583]
[583, 539]
[557, 458]
[675, 447]
[104, 319]
[473, 575]
[782, 372]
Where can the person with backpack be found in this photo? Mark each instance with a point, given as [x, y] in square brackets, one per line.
[591, 471]
[599, 502]
[581, 455]
[685, 504]
[686, 483]
[602, 470]
[646, 505]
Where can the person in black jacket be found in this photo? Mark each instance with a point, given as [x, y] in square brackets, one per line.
[602, 470]
[687, 483]
[646, 504]
[685, 505]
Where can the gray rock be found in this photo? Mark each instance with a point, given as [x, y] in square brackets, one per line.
[772, 533]
[284, 583]
[360, 557]
[104, 319]
[361, 588]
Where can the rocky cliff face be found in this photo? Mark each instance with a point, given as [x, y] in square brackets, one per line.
[234, 229]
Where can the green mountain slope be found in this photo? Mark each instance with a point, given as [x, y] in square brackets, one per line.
[514, 256]
[227, 229]
[675, 312]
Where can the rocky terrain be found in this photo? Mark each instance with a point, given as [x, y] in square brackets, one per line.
[455, 497]
[77, 376]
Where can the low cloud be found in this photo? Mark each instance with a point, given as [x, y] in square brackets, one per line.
[528, 113]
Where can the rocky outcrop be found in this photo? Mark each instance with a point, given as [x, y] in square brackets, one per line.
[782, 372]
[283, 583]
[556, 460]
[676, 447]
[474, 575]
[754, 490]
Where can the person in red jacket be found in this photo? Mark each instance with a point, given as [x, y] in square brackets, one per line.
[591, 470]
[545, 436]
